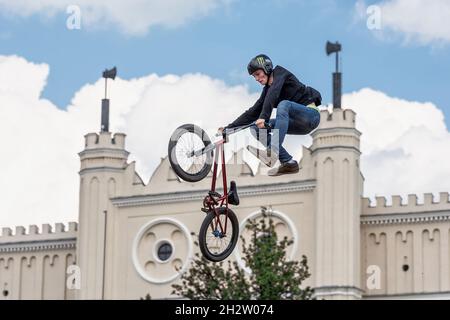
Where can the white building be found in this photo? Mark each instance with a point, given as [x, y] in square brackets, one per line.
[355, 249]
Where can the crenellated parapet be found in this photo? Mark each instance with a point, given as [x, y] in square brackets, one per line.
[34, 234]
[103, 151]
[336, 131]
[104, 140]
[412, 204]
[339, 118]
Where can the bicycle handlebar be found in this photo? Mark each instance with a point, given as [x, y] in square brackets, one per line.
[237, 129]
[224, 134]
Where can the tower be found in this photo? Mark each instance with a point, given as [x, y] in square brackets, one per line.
[103, 162]
[336, 157]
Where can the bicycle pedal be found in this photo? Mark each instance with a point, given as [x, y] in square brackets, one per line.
[205, 210]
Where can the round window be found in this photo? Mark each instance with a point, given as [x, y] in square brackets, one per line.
[164, 251]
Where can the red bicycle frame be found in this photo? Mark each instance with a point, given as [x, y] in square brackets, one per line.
[213, 198]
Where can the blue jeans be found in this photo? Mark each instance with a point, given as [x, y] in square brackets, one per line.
[292, 118]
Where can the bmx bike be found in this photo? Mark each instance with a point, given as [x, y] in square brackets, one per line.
[191, 155]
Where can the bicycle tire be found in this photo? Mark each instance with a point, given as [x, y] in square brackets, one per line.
[206, 228]
[179, 171]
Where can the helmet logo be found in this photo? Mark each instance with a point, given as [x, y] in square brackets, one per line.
[260, 60]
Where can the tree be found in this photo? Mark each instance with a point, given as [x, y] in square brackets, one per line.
[272, 277]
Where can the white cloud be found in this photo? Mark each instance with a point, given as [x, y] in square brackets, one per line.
[39, 164]
[424, 21]
[22, 83]
[131, 17]
[404, 144]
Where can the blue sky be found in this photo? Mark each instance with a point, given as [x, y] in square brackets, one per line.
[293, 33]
[408, 58]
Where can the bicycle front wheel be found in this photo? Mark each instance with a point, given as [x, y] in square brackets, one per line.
[187, 164]
[215, 244]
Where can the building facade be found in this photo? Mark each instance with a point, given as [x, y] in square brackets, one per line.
[132, 237]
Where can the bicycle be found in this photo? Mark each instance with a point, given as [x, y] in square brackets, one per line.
[190, 155]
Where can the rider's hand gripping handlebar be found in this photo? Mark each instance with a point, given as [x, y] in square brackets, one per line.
[225, 132]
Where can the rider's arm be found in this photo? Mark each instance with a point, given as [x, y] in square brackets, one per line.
[251, 114]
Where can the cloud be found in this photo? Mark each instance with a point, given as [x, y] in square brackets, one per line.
[423, 21]
[41, 142]
[133, 17]
[404, 143]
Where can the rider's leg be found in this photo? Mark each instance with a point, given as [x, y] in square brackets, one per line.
[280, 131]
[292, 118]
[302, 119]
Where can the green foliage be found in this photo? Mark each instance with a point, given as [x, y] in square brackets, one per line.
[273, 277]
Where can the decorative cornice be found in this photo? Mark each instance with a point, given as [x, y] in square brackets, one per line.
[406, 218]
[103, 150]
[244, 191]
[100, 169]
[313, 150]
[338, 291]
[45, 245]
[335, 129]
[443, 295]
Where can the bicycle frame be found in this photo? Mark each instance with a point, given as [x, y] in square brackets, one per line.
[213, 198]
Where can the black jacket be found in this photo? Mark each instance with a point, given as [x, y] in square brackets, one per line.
[285, 86]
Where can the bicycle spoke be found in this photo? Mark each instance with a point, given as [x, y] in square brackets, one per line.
[217, 244]
[188, 143]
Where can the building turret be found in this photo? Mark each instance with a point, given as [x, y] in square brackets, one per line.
[336, 157]
[103, 162]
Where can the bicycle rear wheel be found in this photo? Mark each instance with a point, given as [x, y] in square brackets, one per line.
[214, 244]
[183, 143]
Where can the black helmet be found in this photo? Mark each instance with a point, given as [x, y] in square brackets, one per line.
[261, 61]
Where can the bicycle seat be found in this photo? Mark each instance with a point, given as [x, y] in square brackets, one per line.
[233, 197]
